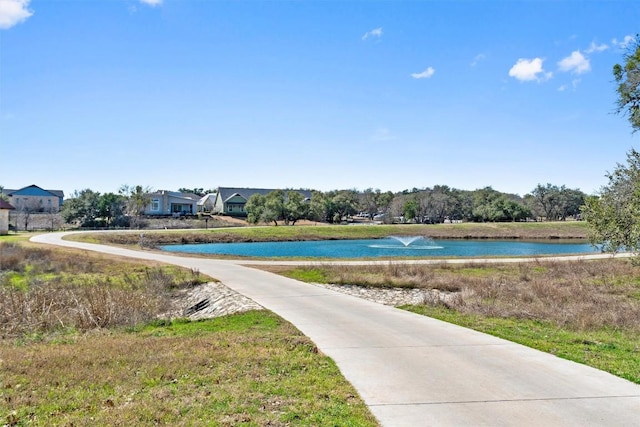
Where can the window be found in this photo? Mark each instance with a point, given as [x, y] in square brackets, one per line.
[235, 207]
[155, 205]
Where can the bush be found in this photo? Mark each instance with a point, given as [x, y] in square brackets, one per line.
[39, 295]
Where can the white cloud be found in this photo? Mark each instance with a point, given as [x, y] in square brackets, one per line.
[575, 63]
[13, 12]
[151, 2]
[376, 32]
[574, 85]
[594, 47]
[624, 43]
[527, 70]
[478, 58]
[425, 74]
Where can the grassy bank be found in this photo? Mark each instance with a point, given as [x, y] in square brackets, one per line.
[80, 344]
[45, 291]
[252, 369]
[586, 311]
[534, 230]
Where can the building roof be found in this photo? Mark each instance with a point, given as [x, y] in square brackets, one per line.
[228, 192]
[176, 194]
[207, 198]
[5, 205]
[33, 190]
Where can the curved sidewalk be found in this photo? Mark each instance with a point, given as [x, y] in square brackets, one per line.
[412, 370]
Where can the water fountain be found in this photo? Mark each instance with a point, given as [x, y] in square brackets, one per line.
[391, 246]
[407, 240]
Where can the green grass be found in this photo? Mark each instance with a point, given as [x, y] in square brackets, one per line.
[16, 237]
[540, 230]
[79, 346]
[309, 275]
[252, 369]
[614, 351]
[462, 230]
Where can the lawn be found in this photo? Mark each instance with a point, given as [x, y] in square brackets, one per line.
[533, 230]
[81, 344]
[250, 369]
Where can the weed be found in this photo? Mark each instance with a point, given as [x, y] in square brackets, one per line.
[252, 369]
[39, 296]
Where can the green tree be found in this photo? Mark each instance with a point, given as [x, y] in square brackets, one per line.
[274, 209]
[547, 199]
[506, 209]
[111, 209]
[555, 202]
[627, 76]
[82, 208]
[295, 207]
[198, 191]
[278, 205]
[367, 202]
[570, 202]
[410, 209]
[613, 217]
[483, 204]
[383, 200]
[255, 208]
[137, 198]
[341, 204]
[317, 207]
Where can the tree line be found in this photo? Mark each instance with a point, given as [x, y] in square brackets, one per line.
[426, 206]
[614, 216]
[124, 208]
[88, 208]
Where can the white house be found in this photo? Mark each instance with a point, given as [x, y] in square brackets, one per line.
[5, 207]
[165, 202]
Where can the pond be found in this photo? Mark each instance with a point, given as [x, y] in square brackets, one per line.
[389, 247]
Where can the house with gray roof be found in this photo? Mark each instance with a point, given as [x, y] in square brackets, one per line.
[231, 201]
[35, 199]
[165, 202]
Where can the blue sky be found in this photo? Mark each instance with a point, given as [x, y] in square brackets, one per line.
[311, 94]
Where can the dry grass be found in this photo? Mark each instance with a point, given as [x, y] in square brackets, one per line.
[585, 311]
[80, 349]
[42, 291]
[582, 295]
[541, 230]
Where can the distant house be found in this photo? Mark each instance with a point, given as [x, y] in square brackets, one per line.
[172, 203]
[231, 201]
[35, 199]
[207, 202]
[5, 207]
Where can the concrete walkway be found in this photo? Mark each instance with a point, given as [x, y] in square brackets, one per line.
[412, 370]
